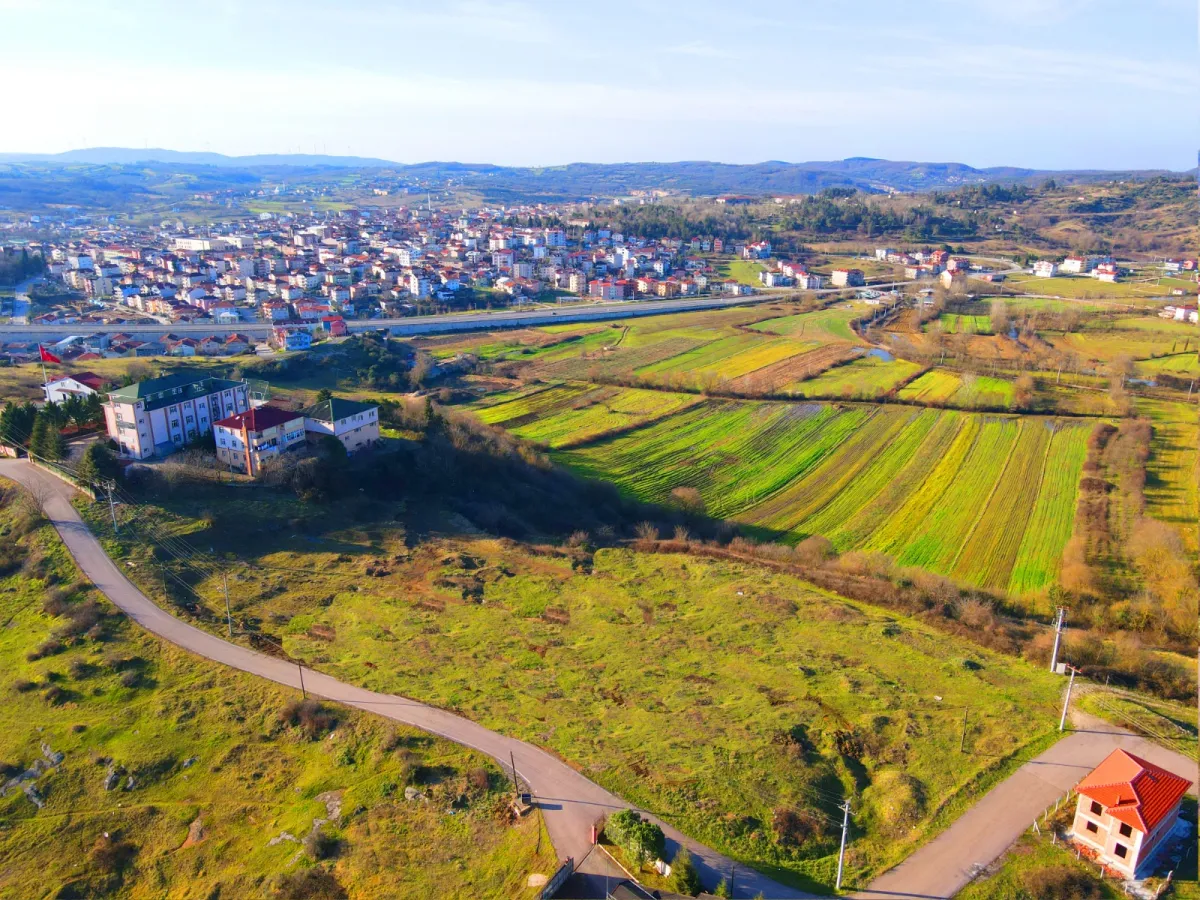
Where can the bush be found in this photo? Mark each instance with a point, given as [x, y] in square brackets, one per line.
[112, 856]
[320, 845]
[310, 884]
[1061, 882]
[641, 839]
[310, 717]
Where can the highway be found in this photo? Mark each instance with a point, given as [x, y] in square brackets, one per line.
[413, 325]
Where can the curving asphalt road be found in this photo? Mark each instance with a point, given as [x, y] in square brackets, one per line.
[568, 800]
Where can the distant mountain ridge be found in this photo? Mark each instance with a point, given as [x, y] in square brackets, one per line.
[128, 156]
[581, 180]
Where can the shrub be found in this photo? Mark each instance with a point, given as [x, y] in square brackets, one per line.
[641, 839]
[111, 855]
[320, 845]
[309, 884]
[309, 716]
[814, 550]
[647, 531]
[46, 648]
[1061, 882]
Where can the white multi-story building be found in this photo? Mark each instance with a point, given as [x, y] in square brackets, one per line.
[158, 416]
[1043, 268]
[355, 424]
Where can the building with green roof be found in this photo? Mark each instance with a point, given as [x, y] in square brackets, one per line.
[160, 415]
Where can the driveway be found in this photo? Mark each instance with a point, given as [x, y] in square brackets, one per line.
[944, 865]
[568, 800]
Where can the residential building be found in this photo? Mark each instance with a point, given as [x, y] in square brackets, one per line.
[334, 326]
[847, 278]
[246, 440]
[160, 415]
[1126, 808]
[1044, 268]
[355, 424]
[81, 384]
[291, 338]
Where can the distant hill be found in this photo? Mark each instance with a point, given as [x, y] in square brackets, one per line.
[127, 156]
[109, 178]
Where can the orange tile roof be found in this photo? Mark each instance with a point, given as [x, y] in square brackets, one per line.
[1134, 791]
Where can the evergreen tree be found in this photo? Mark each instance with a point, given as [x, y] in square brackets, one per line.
[38, 439]
[684, 877]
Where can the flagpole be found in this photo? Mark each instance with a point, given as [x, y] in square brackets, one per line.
[42, 360]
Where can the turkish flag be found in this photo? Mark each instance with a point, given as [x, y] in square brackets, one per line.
[47, 356]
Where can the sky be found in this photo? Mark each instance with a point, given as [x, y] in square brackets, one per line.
[1050, 84]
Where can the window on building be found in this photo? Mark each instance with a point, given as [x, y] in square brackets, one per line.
[1092, 827]
[1097, 809]
[1121, 850]
[1126, 829]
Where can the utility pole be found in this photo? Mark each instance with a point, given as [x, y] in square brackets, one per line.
[1058, 630]
[1062, 722]
[842, 851]
[300, 668]
[228, 615]
[112, 508]
[513, 765]
[962, 743]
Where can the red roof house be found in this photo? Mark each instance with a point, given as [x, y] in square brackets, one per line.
[1126, 807]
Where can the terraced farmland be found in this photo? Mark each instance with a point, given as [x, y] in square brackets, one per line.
[987, 499]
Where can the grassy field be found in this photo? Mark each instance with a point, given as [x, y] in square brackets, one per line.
[1173, 470]
[911, 484]
[963, 390]
[865, 378]
[826, 325]
[953, 323]
[1181, 364]
[1084, 288]
[740, 704]
[744, 271]
[206, 776]
[1036, 869]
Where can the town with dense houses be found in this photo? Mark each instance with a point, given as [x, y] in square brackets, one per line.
[308, 278]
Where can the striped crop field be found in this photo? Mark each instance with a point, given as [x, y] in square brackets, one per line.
[935, 386]
[807, 363]
[735, 453]
[986, 499]
[1053, 515]
[961, 390]
[568, 414]
[624, 360]
[983, 392]
[729, 357]
[865, 378]
[954, 323]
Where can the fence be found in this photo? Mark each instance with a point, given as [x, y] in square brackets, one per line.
[558, 879]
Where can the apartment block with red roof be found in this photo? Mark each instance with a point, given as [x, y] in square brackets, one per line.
[1126, 807]
[246, 440]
